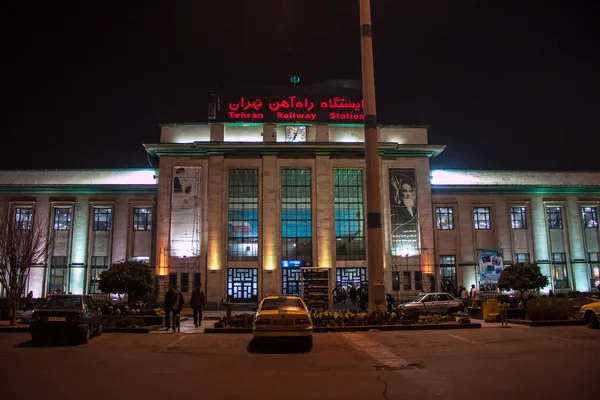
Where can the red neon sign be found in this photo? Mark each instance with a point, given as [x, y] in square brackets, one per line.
[297, 109]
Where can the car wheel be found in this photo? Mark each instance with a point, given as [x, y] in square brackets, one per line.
[307, 345]
[592, 320]
[100, 329]
[85, 336]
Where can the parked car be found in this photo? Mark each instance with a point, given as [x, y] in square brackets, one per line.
[283, 317]
[591, 314]
[72, 316]
[432, 303]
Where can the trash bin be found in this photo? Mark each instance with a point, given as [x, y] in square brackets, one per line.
[491, 310]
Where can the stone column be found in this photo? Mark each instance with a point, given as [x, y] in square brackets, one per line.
[269, 133]
[78, 270]
[322, 133]
[540, 236]
[217, 132]
[121, 228]
[579, 267]
[270, 227]
[325, 215]
[217, 208]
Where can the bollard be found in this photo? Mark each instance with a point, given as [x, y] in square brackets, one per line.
[504, 324]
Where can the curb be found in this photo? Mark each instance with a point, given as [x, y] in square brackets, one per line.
[18, 329]
[423, 327]
[141, 329]
[537, 324]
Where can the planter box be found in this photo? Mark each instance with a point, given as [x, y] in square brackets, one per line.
[416, 327]
[570, 322]
[147, 319]
[515, 313]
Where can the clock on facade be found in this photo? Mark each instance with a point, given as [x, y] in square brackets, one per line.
[295, 134]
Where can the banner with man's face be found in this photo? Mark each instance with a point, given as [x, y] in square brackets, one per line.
[404, 212]
[185, 212]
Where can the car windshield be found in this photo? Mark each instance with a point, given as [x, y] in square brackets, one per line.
[420, 297]
[282, 304]
[61, 302]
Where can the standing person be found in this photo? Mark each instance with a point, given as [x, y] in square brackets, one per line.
[177, 306]
[169, 299]
[29, 301]
[464, 296]
[550, 293]
[353, 294]
[474, 296]
[198, 302]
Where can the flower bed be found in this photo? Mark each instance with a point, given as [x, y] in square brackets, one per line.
[137, 310]
[344, 319]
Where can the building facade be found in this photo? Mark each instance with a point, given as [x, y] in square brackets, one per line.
[240, 207]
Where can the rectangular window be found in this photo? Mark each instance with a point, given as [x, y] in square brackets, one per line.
[559, 271]
[296, 215]
[407, 282]
[23, 217]
[594, 261]
[481, 218]
[102, 219]
[62, 218]
[172, 279]
[448, 279]
[349, 219]
[57, 281]
[445, 218]
[522, 258]
[242, 236]
[242, 285]
[554, 217]
[99, 264]
[589, 216]
[197, 280]
[185, 282]
[142, 218]
[518, 217]
[395, 281]
[418, 280]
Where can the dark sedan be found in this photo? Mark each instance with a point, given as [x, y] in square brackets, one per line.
[66, 316]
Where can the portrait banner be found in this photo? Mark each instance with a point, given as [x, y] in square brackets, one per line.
[404, 212]
[490, 264]
[185, 212]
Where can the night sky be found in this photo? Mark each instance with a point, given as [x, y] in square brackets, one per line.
[504, 84]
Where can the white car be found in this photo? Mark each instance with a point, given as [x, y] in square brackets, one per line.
[432, 303]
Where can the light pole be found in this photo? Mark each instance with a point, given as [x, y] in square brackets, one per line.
[374, 236]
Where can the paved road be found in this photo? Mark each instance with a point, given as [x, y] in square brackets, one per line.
[519, 362]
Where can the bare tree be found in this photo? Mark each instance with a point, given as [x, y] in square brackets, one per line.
[23, 243]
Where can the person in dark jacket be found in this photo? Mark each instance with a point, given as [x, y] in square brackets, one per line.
[198, 302]
[169, 300]
[178, 301]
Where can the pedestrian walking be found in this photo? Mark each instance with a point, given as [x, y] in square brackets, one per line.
[198, 302]
[169, 299]
[178, 301]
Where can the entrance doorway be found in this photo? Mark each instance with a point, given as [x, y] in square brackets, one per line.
[242, 285]
[347, 277]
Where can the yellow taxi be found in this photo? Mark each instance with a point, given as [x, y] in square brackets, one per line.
[283, 317]
[591, 314]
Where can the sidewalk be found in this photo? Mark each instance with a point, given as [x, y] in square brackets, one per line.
[187, 326]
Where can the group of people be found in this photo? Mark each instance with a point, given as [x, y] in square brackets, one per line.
[174, 302]
[350, 294]
[465, 296]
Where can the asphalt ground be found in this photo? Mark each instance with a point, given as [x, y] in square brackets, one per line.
[495, 363]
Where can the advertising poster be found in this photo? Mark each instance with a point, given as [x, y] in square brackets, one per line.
[315, 287]
[404, 212]
[185, 212]
[490, 264]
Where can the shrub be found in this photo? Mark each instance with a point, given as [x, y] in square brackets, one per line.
[549, 309]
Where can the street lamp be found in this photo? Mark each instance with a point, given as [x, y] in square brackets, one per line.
[374, 235]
